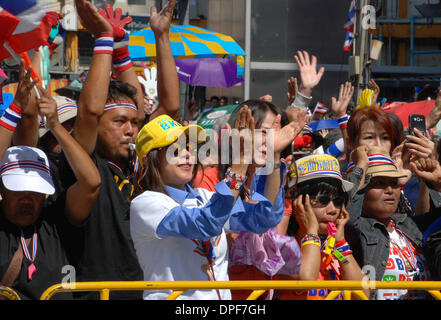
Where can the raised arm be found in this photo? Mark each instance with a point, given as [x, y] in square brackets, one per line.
[26, 133]
[283, 137]
[168, 82]
[340, 106]
[309, 76]
[122, 65]
[94, 93]
[80, 196]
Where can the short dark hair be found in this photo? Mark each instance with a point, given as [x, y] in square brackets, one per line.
[328, 186]
[118, 89]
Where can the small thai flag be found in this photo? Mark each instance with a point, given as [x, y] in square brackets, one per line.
[349, 27]
[320, 108]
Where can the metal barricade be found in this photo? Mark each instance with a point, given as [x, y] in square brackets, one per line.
[348, 288]
[9, 293]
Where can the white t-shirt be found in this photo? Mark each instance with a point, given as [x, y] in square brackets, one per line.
[174, 258]
[396, 270]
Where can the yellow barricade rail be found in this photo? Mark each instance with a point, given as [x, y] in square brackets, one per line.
[9, 293]
[348, 288]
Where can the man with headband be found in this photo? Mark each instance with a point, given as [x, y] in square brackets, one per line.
[108, 120]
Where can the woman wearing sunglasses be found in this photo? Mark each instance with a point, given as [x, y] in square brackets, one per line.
[320, 195]
[385, 241]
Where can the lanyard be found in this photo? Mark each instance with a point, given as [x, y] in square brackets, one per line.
[31, 269]
[136, 167]
[413, 261]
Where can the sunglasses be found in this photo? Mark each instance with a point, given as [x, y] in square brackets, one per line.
[324, 199]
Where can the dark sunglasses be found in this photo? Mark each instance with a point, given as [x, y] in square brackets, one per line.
[324, 199]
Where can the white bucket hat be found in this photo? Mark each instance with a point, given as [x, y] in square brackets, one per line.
[66, 108]
[26, 169]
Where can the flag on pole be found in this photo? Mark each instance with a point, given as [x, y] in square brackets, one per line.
[31, 31]
[320, 108]
[8, 22]
[349, 27]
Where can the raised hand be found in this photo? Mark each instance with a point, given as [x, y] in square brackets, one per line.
[47, 107]
[244, 132]
[160, 21]
[284, 136]
[309, 75]
[401, 156]
[266, 98]
[340, 105]
[25, 86]
[114, 18]
[374, 86]
[360, 157]
[95, 23]
[340, 223]
[429, 170]
[293, 88]
[420, 146]
[435, 114]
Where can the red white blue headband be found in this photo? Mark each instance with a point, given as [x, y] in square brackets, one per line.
[112, 106]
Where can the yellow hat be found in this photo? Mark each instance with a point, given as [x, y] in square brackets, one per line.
[163, 131]
[316, 167]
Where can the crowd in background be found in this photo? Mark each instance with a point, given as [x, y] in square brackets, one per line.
[111, 184]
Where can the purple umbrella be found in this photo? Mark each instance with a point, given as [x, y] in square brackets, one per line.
[208, 72]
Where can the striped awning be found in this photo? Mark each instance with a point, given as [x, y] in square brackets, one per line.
[186, 41]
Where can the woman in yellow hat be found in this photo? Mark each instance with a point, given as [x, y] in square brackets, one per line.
[178, 231]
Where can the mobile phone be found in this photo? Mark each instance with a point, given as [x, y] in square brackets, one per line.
[417, 121]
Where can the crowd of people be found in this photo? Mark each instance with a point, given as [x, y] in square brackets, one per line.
[116, 189]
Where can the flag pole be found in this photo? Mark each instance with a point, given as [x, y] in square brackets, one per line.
[13, 54]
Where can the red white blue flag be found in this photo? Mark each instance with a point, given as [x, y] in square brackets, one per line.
[349, 27]
[30, 28]
[320, 108]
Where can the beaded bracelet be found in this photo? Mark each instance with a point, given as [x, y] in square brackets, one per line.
[233, 180]
[11, 117]
[342, 121]
[310, 239]
[103, 44]
[310, 236]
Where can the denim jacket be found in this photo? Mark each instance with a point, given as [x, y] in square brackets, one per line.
[369, 238]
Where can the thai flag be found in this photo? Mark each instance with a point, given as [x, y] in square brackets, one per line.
[32, 30]
[320, 108]
[8, 23]
[349, 27]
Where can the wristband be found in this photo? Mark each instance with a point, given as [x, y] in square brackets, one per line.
[11, 117]
[121, 56]
[311, 242]
[311, 236]
[343, 121]
[234, 181]
[343, 247]
[103, 44]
